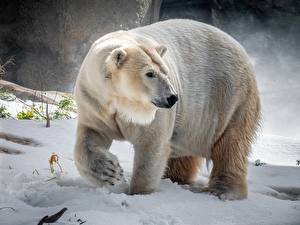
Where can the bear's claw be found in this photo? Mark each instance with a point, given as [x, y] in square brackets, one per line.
[105, 170]
[223, 192]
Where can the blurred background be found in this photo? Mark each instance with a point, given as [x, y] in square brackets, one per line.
[48, 40]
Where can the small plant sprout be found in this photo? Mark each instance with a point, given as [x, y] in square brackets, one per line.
[6, 96]
[53, 162]
[65, 106]
[4, 113]
[25, 115]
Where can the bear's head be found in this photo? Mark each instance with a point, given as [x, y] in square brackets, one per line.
[134, 80]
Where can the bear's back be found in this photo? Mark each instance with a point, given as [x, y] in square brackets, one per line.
[214, 73]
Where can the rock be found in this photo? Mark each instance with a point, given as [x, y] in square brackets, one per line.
[49, 39]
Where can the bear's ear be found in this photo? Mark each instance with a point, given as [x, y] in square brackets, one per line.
[118, 56]
[156, 54]
[161, 50]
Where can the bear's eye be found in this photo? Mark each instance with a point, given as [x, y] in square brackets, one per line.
[150, 74]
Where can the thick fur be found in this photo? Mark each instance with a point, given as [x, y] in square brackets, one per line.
[215, 117]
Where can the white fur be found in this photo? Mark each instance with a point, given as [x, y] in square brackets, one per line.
[136, 115]
[208, 69]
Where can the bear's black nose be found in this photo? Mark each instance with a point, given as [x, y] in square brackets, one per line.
[172, 100]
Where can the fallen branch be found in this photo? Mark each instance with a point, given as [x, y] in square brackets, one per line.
[34, 95]
[22, 92]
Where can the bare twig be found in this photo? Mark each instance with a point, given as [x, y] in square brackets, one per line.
[52, 178]
[41, 115]
[47, 116]
[42, 95]
[53, 218]
[3, 66]
[35, 171]
[80, 221]
[54, 100]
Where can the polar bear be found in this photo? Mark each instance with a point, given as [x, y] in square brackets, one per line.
[179, 91]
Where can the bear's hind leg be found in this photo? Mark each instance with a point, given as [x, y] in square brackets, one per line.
[183, 170]
[229, 155]
[228, 176]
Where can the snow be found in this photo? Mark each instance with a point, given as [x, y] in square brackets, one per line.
[18, 105]
[274, 189]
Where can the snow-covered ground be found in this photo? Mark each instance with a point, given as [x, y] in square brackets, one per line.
[274, 189]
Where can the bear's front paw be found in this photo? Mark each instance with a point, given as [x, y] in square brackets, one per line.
[105, 170]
